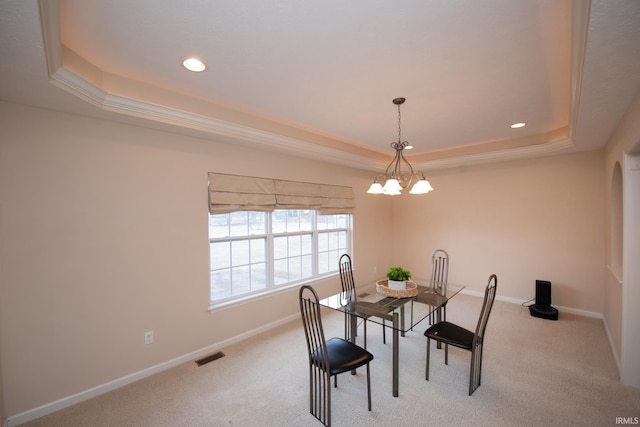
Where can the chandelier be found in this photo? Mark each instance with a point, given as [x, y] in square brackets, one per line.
[399, 174]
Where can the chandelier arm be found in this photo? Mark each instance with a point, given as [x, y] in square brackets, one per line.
[407, 162]
[394, 163]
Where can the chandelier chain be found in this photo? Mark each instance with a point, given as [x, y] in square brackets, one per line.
[399, 128]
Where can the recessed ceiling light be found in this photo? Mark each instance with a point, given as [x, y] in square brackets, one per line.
[518, 125]
[194, 64]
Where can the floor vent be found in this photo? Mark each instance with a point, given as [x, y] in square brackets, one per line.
[211, 358]
[366, 294]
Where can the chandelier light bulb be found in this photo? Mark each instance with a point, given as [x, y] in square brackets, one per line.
[376, 188]
[392, 185]
[421, 187]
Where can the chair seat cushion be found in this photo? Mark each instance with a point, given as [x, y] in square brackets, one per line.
[344, 356]
[450, 333]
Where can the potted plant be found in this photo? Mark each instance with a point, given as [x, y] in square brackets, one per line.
[397, 277]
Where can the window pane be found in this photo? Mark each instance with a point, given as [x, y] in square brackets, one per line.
[295, 269]
[218, 225]
[258, 276]
[306, 220]
[334, 259]
[293, 220]
[280, 271]
[279, 247]
[258, 250]
[240, 252]
[239, 223]
[220, 284]
[294, 246]
[240, 280]
[279, 221]
[306, 244]
[220, 254]
[325, 222]
[323, 242]
[306, 266]
[257, 222]
[323, 263]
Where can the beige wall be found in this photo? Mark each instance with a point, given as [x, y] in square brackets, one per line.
[623, 290]
[104, 236]
[523, 220]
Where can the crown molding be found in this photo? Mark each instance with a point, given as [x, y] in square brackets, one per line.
[497, 156]
[580, 12]
[49, 12]
[86, 82]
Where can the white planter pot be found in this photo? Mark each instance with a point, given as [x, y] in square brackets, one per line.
[396, 284]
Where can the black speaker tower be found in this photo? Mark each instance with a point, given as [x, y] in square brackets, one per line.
[542, 308]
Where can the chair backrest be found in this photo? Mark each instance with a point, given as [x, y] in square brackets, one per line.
[312, 322]
[487, 304]
[346, 278]
[439, 269]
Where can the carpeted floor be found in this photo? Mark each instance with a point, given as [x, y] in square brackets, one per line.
[535, 373]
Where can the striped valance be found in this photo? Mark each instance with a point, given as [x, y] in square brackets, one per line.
[230, 193]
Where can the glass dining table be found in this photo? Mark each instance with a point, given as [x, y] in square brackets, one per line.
[390, 311]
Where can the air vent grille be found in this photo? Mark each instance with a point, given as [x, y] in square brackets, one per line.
[210, 358]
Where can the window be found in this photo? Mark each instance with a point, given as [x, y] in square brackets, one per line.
[256, 252]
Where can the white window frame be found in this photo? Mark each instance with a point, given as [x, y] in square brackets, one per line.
[317, 271]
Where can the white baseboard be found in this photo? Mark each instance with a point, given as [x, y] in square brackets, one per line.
[585, 313]
[560, 308]
[65, 402]
[616, 358]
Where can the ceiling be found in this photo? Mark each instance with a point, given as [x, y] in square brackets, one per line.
[317, 78]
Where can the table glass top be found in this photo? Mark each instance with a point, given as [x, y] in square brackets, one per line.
[410, 311]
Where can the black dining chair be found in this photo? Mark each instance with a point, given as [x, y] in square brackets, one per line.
[439, 279]
[457, 336]
[327, 358]
[349, 290]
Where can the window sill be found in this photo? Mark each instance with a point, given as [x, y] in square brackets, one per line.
[267, 294]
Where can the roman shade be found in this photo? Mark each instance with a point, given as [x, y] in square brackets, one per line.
[230, 193]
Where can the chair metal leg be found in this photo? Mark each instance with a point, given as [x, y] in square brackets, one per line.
[475, 374]
[426, 375]
[479, 369]
[368, 387]
[437, 319]
[472, 373]
[446, 354]
[328, 404]
[320, 395]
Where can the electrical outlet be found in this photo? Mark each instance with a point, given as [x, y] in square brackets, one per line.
[148, 337]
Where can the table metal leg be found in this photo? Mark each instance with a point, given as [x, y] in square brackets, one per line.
[352, 337]
[396, 344]
[438, 319]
